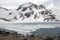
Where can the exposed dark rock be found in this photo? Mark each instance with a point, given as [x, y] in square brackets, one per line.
[50, 17]
[44, 12]
[35, 6]
[31, 35]
[41, 6]
[10, 13]
[49, 38]
[24, 9]
[15, 18]
[5, 19]
[32, 12]
[24, 39]
[30, 8]
[19, 7]
[35, 16]
[4, 8]
[28, 14]
[14, 33]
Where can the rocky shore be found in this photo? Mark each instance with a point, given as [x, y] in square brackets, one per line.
[30, 37]
[11, 35]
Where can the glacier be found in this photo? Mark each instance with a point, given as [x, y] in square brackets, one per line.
[19, 21]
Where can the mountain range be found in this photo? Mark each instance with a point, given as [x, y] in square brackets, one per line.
[27, 12]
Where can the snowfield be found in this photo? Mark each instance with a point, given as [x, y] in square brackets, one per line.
[28, 12]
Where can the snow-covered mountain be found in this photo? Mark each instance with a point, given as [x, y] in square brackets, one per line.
[26, 13]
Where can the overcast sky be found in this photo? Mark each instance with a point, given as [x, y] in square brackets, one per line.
[16, 3]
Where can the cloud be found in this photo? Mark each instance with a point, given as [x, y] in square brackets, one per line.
[5, 2]
[16, 3]
[57, 4]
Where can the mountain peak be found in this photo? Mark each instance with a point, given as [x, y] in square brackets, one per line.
[29, 12]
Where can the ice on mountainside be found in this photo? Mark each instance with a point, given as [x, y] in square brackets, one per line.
[27, 12]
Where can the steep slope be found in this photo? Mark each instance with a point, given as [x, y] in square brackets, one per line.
[35, 12]
[27, 12]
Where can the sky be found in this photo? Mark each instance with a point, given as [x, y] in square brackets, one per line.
[15, 3]
[18, 2]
